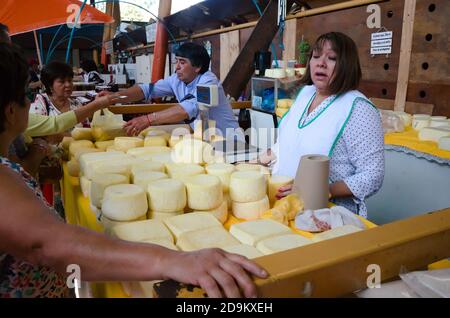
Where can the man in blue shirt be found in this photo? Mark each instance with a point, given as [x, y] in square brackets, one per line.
[192, 64]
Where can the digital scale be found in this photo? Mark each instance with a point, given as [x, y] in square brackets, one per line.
[232, 150]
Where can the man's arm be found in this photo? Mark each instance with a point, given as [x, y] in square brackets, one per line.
[134, 94]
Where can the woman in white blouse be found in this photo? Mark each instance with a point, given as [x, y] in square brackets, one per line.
[330, 117]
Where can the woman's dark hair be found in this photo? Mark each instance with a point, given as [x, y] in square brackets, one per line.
[55, 70]
[13, 79]
[196, 53]
[347, 72]
[88, 66]
[4, 34]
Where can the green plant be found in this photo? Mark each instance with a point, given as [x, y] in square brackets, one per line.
[303, 49]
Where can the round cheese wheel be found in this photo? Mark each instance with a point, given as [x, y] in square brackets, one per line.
[103, 145]
[78, 144]
[247, 186]
[100, 182]
[191, 150]
[142, 151]
[204, 192]
[223, 171]
[251, 210]
[247, 167]
[125, 143]
[155, 141]
[65, 143]
[82, 133]
[107, 167]
[124, 202]
[276, 182]
[108, 224]
[179, 171]
[143, 178]
[147, 166]
[164, 157]
[162, 215]
[73, 167]
[166, 195]
[220, 213]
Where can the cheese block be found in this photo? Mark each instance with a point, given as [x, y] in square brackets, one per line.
[211, 237]
[153, 141]
[164, 242]
[113, 166]
[65, 143]
[179, 171]
[85, 185]
[103, 145]
[276, 182]
[125, 143]
[419, 123]
[124, 202]
[166, 195]
[142, 231]
[73, 168]
[100, 182]
[280, 243]
[143, 178]
[91, 161]
[152, 132]
[191, 150]
[245, 250]
[78, 144]
[163, 157]
[223, 171]
[336, 232]
[162, 215]
[251, 232]
[247, 186]
[108, 133]
[136, 152]
[111, 149]
[109, 224]
[77, 154]
[444, 143]
[204, 192]
[250, 210]
[81, 133]
[439, 123]
[147, 166]
[221, 213]
[191, 222]
[433, 134]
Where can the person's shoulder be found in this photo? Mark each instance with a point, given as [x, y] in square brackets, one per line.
[208, 78]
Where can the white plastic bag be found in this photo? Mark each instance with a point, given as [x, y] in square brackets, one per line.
[107, 126]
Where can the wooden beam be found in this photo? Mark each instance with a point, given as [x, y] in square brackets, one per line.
[338, 267]
[243, 69]
[290, 41]
[405, 54]
[229, 51]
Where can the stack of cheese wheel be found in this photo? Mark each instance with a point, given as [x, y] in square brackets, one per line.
[74, 147]
[166, 198]
[205, 194]
[274, 184]
[125, 143]
[191, 150]
[81, 133]
[143, 151]
[223, 171]
[124, 203]
[180, 171]
[248, 192]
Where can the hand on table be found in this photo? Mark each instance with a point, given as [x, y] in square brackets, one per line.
[136, 125]
[219, 273]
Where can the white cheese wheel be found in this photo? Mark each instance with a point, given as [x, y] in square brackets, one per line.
[179, 170]
[166, 195]
[163, 157]
[227, 199]
[191, 150]
[107, 164]
[438, 118]
[276, 182]
[142, 151]
[162, 215]
[85, 185]
[124, 202]
[444, 143]
[247, 186]
[65, 143]
[204, 192]
[152, 132]
[100, 182]
[439, 123]
[250, 210]
[109, 224]
[81, 133]
[419, 123]
[213, 237]
[147, 166]
[125, 143]
[152, 141]
[221, 213]
[223, 171]
[81, 151]
[143, 178]
[433, 134]
[245, 250]
[281, 243]
[73, 168]
[142, 231]
[103, 145]
[78, 144]
[191, 222]
[336, 232]
[248, 167]
[251, 232]
[87, 159]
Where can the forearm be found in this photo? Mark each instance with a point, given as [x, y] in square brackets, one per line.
[134, 94]
[39, 125]
[339, 189]
[171, 115]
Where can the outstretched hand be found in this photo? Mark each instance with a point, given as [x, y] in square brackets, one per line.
[136, 125]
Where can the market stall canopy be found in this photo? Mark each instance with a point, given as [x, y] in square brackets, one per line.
[28, 15]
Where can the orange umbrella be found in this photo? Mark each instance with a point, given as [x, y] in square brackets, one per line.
[28, 15]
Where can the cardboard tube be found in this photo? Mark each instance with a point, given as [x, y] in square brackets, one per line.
[311, 181]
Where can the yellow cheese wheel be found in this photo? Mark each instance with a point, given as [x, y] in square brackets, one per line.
[204, 192]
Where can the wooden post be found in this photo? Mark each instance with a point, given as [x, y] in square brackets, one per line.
[38, 51]
[405, 55]
[161, 43]
[229, 51]
[106, 33]
[112, 31]
[289, 41]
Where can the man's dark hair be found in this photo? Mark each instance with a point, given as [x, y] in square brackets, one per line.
[88, 66]
[13, 79]
[347, 72]
[4, 34]
[196, 53]
[53, 71]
